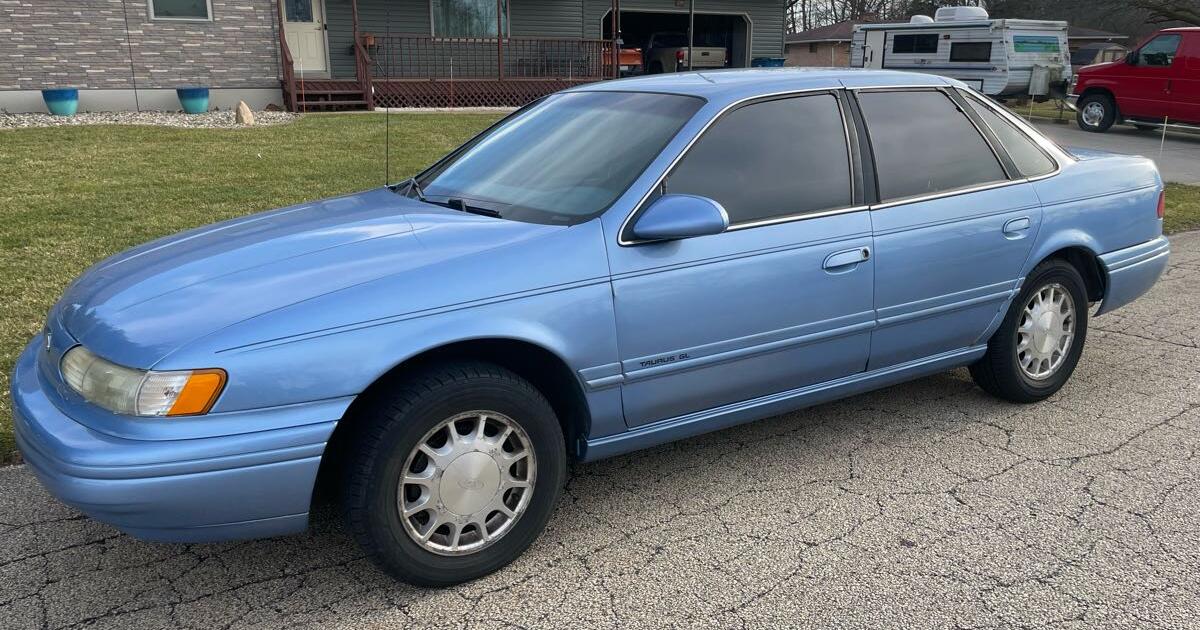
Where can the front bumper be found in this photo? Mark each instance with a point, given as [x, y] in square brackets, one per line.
[1132, 271]
[223, 487]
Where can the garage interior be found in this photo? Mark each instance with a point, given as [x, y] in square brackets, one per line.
[712, 29]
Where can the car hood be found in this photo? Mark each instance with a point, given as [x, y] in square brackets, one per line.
[138, 306]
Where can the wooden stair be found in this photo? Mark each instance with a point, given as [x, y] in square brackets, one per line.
[329, 95]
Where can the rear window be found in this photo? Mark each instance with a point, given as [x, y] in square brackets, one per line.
[924, 144]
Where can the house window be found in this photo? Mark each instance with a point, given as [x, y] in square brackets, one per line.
[925, 43]
[181, 10]
[468, 18]
[971, 51]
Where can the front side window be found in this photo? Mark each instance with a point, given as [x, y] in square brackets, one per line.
[923, 144]
[1160, 51]
[564, 160]
[1030, 159]
[925, 43]
[772, 159]
[180, 10]
[971, 51]
[469, 18]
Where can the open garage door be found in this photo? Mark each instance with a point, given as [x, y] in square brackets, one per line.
[730, 31]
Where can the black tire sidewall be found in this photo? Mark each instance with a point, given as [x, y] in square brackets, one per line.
[1063, 273]
[400, 555]
[1110, 113]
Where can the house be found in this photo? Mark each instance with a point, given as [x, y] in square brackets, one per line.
[340, 54]
[826, 46]
[1078, 36]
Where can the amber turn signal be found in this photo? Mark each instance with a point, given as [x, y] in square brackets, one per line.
[199, 394]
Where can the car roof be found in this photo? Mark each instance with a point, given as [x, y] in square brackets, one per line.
[733, 85]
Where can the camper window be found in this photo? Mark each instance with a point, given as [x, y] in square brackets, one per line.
[971, 51]
[924, 43]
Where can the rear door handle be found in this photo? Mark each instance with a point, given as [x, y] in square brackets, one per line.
[839, 261]
[1015, 228]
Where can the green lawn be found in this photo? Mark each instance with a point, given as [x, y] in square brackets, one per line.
[70, 196]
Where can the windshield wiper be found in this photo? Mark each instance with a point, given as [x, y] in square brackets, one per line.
[459, 204]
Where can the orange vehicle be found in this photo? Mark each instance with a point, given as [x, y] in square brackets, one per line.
[630, 61]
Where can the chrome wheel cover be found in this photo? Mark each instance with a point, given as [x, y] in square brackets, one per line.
[1046, 332]
[466, 483]
[1093, 114]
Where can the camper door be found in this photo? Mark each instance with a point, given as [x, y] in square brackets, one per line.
[873, 49]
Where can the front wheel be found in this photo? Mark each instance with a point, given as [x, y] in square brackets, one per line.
[453, 474]
[1038, 344]
[1097, 112]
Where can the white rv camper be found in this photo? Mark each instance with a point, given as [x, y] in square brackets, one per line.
[1001, 58]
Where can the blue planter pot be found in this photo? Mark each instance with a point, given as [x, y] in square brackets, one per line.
[193, 99]
[61, 101]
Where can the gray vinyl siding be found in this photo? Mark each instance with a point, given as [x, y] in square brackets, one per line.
[407, 17]
[546, 18]
[766, 18]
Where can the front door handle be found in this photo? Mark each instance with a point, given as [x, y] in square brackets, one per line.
[1015, 228]
[839, 261]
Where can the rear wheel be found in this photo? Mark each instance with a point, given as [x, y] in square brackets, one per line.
[1097, 112]
[1038, 344]
[454, 474]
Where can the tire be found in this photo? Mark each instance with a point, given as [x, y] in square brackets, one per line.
[1096, 113]
[387, 442]
[656, 67]
[1001, 373]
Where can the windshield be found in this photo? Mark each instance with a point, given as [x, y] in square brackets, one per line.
[563, 160]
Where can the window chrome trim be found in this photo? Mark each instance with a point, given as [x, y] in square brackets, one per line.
[953, 192]
[658, 182]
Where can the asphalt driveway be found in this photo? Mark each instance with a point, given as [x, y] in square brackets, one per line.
[923, 505]
[1178, 158]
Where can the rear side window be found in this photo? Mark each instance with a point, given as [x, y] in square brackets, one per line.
[771, 159]
[971, 51]
[1029, 158]
[924, 43]
[923, 144]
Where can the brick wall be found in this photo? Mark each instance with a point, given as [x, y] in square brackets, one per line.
[83, 44]
[826, 54]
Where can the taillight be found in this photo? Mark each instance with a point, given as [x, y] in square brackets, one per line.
[679, 55]
[1162, 204]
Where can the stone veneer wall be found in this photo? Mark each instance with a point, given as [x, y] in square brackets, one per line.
[83, 44]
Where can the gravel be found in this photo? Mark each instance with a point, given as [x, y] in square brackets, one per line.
[210, 120]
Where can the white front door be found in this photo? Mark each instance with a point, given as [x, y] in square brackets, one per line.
[873, 51]
[304, 27]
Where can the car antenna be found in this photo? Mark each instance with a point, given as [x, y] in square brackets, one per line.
[387, 111]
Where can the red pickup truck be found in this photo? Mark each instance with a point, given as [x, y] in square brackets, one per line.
[1158, 81]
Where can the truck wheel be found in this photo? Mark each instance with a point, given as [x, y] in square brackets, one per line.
[453, 474]
[1097, 112]
[1039, 342]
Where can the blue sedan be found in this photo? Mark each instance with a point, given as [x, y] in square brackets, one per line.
[609, 268]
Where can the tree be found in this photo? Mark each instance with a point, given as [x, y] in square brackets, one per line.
[1186, 11]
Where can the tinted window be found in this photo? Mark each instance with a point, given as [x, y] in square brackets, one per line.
[771, 159]
[565, 159]
[924, 43]
[971, 51]
[924, 144]
[1160, 51]
[1030, 159]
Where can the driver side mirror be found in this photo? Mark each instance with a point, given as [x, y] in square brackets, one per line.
[1131, 58]
[673, 217]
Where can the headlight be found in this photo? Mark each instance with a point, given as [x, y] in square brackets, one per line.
[139, 392]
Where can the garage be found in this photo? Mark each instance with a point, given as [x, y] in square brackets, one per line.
[726, 30]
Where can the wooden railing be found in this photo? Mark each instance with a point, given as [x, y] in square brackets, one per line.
[440, 58]
[363, 73]
[289, 72]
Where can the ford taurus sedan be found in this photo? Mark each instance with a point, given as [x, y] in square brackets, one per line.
[612, 267]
